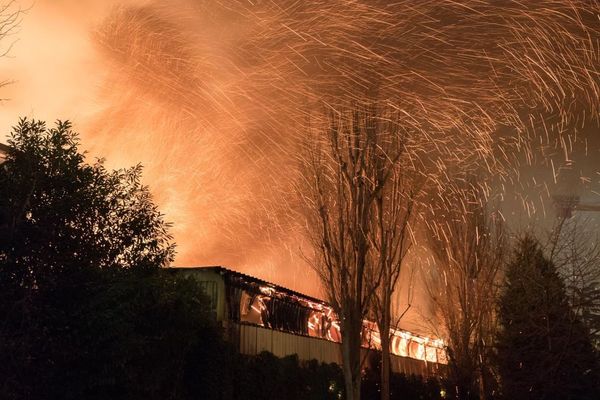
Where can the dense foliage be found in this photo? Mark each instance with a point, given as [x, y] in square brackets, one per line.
[84, 305]
[266, 377]
[544, 351]
[402, 386]
[123, 335]
[59, 214]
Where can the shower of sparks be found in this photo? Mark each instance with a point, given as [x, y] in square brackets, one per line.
[215, 96]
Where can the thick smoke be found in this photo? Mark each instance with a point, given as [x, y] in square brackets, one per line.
[218, 160]
[213, 98]
[216, 95]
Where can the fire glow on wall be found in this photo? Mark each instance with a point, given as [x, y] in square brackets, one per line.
[276, 309]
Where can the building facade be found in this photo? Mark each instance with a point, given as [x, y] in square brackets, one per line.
[260, 316]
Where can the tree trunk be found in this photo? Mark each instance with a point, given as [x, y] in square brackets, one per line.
[385, 362]
[482, 386]
[383, 324]
[351, 343]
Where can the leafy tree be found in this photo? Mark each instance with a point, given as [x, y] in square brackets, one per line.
[60, 213]
[76, 241]
[544, 351]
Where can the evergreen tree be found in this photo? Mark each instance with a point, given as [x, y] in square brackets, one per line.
[544, 351]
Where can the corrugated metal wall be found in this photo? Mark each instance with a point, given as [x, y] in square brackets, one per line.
[255, 339]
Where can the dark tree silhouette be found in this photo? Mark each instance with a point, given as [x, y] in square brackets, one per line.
[60, 213]
[466, 239]
[79, 245]
[574, 247]
[544, 351]
[10, 19]
[391, 239]
[350, 166]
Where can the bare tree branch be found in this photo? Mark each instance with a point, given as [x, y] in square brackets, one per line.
[10, 20]
[354, 208]
[466, 240]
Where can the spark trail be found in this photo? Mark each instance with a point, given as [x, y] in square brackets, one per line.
[224, 91]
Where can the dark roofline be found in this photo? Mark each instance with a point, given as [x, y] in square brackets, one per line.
[4, 148]
[226, 271]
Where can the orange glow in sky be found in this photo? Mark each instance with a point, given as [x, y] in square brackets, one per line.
[211, 98]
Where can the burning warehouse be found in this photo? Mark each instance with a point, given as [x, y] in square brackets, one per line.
[259, 316]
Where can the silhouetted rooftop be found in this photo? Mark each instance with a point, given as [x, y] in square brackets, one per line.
[249, 278]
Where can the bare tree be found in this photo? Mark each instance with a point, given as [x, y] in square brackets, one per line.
[10, 18]
[392, 238]
[574, 247]
[348, 167]
[467, 244]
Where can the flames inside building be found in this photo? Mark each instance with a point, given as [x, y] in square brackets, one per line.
[260, 316]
